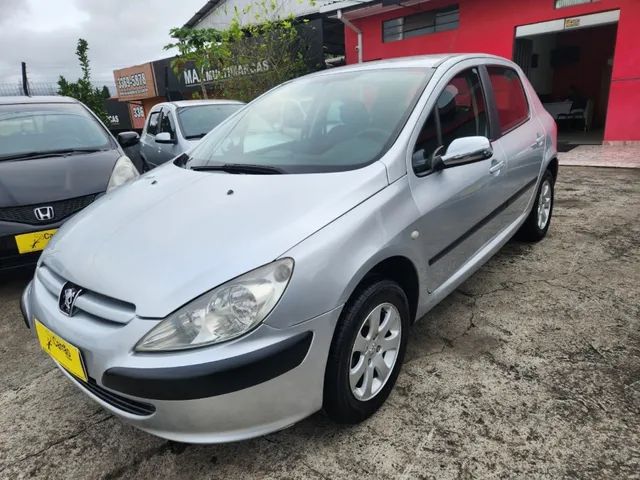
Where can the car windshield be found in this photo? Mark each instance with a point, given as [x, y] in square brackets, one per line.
[198, 120]
[331, 122]
[40, 128]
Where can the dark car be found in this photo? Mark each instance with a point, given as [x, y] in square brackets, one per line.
[56, 158]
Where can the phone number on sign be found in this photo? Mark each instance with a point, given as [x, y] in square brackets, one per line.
[132, 81]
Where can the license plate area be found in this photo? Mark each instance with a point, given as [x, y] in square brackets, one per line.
[34, 241]
[63, 352]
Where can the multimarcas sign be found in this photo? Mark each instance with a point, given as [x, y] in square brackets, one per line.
[192, 78]
[142, 86]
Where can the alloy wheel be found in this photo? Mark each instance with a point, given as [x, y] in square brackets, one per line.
[544, 205]
[375, 351]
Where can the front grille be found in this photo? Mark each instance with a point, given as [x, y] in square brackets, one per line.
[89, 304]
[61, 210]
[122, 403]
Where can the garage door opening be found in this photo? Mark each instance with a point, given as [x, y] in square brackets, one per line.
[569, 63]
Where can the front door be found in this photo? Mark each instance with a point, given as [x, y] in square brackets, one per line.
[456, 203]
[148, 146]
[167, 151]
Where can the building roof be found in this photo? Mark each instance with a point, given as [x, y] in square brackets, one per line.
[203, 12]
[12, 100]
[297, 8]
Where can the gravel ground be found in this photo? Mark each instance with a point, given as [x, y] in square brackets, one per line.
[531, 369]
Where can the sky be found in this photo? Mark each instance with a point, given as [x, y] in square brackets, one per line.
[44, 34]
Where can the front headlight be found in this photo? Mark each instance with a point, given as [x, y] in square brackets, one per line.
[123, 172]
[224, 313]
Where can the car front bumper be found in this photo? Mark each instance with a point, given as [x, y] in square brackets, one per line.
[10, 258]
[262, 382]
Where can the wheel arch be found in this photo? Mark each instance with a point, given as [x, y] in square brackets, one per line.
[553, 167]
[399, 269]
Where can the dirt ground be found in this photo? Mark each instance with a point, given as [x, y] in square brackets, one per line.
[531, 369]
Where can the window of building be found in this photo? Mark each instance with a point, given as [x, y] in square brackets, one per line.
[459, 112]
[421, 24]
[511, 101]
[570, 3]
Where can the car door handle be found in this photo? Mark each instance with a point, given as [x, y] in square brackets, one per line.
[539, 142]
[496, 167]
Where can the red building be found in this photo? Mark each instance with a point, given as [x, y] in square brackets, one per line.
[588, 49]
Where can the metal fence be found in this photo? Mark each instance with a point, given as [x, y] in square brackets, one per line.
[41, 88]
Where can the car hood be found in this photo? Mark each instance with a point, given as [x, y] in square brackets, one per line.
[28, 182]
[174, 234]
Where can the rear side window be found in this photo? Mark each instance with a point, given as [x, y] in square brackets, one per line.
[152, 128]
[511, 101]
[459, 112]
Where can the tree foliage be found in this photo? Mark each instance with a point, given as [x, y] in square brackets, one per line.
[206, 49]
[82, 89]
[259, 50]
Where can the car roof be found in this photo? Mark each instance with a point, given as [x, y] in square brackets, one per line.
[418, 61]
[14, 100]
[191, 103]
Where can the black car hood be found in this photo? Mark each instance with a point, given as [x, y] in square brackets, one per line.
[28, 182]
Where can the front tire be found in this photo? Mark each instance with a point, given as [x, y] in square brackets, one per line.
[366, 352]
[537, 223]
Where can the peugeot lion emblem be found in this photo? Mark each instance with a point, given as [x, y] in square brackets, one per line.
[68, 297]
[44, 213]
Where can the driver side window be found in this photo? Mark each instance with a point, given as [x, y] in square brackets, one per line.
[152, 127]
[166, 123]
[459, 112]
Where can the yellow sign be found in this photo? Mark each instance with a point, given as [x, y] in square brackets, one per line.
[571, 22]
[33, 242]
[61, 351]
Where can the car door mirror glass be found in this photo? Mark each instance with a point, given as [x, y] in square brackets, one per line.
[464, 150]
[164, 137]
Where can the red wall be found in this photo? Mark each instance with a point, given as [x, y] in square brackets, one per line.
[489, 26]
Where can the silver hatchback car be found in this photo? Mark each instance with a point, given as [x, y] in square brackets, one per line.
[276, 269]
[172, 128]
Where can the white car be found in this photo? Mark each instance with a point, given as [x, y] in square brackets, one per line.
[172, 128]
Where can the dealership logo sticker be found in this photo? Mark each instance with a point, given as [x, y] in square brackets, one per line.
[44, 213]
[68, 297]
[571, 22]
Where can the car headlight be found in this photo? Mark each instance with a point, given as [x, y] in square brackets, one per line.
[123, 172]
[226, 312]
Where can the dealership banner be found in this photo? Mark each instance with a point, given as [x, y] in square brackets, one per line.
[118, 114]
[135, 83]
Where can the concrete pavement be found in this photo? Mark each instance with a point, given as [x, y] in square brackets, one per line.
[531, 369]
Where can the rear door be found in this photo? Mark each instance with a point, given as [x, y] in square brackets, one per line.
[456, 204]
[520, 137]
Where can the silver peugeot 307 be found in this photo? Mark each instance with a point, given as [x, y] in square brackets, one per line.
[276, 268]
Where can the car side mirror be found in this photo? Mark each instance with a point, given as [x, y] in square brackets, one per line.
[463, 150]
[164, 137]
[128, 139]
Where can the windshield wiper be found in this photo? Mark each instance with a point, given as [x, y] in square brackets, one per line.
[50, 153]
[239, 168]
[197, 135]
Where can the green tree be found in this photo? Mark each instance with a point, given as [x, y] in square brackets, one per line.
[259, 50]
[82, 89]
[206, 49]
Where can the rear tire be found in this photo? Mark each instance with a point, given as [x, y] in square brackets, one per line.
[366, 352]
[536, 225]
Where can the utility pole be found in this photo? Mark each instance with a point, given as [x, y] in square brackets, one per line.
[25, 83]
